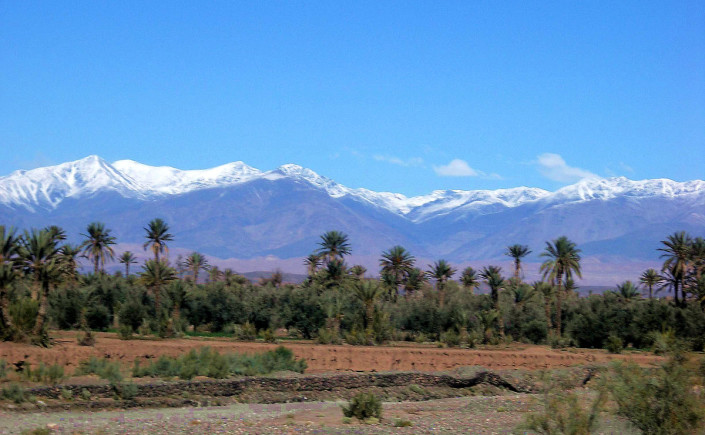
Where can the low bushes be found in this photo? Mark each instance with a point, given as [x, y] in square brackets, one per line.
[363, 406]
[210, 363]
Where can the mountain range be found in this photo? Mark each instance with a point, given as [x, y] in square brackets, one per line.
[243, 215]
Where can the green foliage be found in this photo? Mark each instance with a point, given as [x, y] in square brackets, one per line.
[614, 344]
[210, 363]
[3, 369]
[564, 412]
[450, 338]
[124, 390]
[13, 392]
[102, 367]
[52, 374]
[363, 407]
[66, 394]
[662, 402]
[85, 394]
[402, 423]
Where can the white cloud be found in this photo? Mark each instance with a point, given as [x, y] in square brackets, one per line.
[456, 168]
[413, 161]
[553, 167]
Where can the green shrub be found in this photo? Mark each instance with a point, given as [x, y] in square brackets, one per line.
[417, 389]
[85, 394]
[3, 369]
[357, 337]
[246, 332]
[614, 344]
[66, 394]
[268, 336]
[328, 336]
[564, 413]
[450, 338]
[661, 403]
[402, 423]
[102, 367]
[13, 392]
[88, 339]
[125, 332]
[363, 407]
[125, 390]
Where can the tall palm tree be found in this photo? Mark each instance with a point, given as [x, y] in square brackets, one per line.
[676, 251]
[334, 245]
[650, 278]
[57, 232]
[397, 262]
[40, 255]
[214, 274]
[97, 247]
[563, 259]
[697, 256]
[157, 236]
[196, 262]
[469, 279]
[441, 271]
[367, 292]
[517, 252]
[154, 275]
[493, 277]
[127, 258]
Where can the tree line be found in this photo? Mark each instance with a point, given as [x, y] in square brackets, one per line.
[41, 287]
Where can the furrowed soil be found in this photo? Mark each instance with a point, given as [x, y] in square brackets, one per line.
[320, 358]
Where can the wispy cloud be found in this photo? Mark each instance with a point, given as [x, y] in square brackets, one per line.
[412, 161]
[554, 167]
[456, 168]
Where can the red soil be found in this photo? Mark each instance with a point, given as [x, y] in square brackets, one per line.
[320, 358]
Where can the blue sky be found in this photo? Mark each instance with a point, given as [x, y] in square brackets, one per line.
[397, 96]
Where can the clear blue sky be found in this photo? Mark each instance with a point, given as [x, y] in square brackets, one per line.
[399, 96]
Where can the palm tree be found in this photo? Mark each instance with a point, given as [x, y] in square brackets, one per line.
[547, 290]
[69, 265]
[367, 292]
[214, 274]
[157, 236]
[650, 278]
[97, 247]
[154, 275]
[7, 276]
[517, 252]
[312, 262]
[563, 258]
[469, 279]
[677, 250]
[335, 272]
[334, 245]
[697, 256]
[397, 262]
[358, 271]
[441, 271]
[56, 232]
[127, 258]
[9, 244]
[195, 263]
[40, 256]
[627, 291]
[414, 280]
[493, 277]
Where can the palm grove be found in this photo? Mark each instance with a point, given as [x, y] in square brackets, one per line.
[41, 288]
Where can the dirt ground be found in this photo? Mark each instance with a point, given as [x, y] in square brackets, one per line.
[321, 358]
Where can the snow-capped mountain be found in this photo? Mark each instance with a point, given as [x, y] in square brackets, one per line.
[238, 211]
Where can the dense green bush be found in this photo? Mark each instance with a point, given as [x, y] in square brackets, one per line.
[363, 406]
[102, 367]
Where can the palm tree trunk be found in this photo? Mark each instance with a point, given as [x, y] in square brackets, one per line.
[42, 313]
[547, 309]
[559, 300]
[157, 292]
[95, 265]
[5, 311]
[517, 266]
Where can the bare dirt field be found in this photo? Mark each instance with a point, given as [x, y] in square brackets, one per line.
[321, 358]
